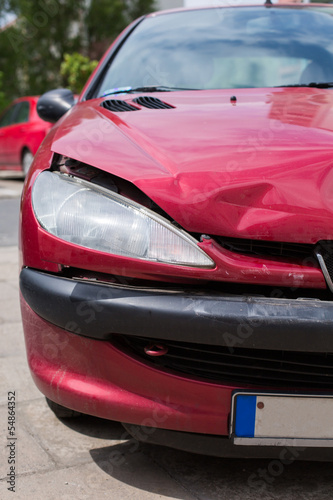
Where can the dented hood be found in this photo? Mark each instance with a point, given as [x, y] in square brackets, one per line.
[256, 166]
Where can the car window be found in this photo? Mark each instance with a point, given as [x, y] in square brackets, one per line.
[8, 116]
[226, 48]
[22, 114]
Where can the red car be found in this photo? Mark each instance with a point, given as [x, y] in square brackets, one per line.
[21, 133]
[177, 234]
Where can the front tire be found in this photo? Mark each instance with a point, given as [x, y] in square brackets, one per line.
[61, 411]
[27, 158]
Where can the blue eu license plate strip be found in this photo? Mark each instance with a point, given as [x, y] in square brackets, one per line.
[245, 415]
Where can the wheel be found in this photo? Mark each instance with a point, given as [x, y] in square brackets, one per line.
[26, 161]
[61, 411]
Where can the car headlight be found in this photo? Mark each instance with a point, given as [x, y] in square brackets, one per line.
[91, 216]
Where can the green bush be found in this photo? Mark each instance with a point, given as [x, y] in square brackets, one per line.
[75, 70]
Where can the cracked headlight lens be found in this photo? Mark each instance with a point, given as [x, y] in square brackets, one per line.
[91, 216]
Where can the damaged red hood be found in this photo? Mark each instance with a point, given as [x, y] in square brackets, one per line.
[257, 164]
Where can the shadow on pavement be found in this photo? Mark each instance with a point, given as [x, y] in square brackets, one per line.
[218, 478]
[94, 427]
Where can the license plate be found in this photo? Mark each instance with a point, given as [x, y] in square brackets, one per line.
[281, 420]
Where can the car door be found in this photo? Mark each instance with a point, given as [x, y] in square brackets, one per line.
[6, 121]
[19, 129]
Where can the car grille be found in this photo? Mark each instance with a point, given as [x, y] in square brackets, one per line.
[266, 248]
[242, 366]
[152, 103]
[329, 264]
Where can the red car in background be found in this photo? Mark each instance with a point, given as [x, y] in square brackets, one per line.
[21, 133]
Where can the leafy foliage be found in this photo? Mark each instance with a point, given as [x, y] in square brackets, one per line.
[106, 19]
[75, 70]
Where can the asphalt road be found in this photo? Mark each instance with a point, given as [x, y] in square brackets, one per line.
[10, 190]
[91, 458]
[9, 213]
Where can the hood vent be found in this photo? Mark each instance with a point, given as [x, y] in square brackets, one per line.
[118, 105]
[152, 103]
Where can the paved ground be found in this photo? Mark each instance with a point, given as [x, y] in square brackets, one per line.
[10, 185]
[89, 458]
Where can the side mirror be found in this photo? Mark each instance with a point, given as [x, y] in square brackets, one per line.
[55, 103]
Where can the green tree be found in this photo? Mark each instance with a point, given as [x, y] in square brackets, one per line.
[9, 65]
[137, 8]
[33, 48]
[43, 33]
[106, 19]
[3, 100]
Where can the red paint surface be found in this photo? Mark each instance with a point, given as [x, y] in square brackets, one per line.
[261, 169]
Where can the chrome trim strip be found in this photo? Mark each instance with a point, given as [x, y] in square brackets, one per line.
[324, 269]
[295, 443]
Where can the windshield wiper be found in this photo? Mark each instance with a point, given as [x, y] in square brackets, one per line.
[317, 85]
[150, 88]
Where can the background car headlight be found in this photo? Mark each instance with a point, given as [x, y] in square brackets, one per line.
[91, 216]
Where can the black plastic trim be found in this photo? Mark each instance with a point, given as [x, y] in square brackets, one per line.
[99, 310]
[152, 102]
[222, 446]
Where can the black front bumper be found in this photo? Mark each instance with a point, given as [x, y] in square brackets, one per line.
[100, 310]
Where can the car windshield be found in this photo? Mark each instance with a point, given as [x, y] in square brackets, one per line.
[222, 48]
